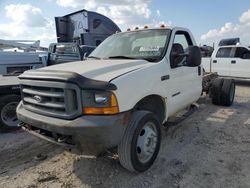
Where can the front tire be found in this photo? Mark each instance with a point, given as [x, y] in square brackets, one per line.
[8, 118]
[141, 142]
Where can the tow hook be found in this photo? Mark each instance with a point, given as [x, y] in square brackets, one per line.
[21, 124]
[62, 139]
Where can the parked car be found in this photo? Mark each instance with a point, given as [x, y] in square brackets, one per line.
[232, 60]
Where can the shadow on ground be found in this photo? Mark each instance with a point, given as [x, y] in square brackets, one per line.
[14, 160]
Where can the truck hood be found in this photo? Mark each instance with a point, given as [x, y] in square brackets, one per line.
[104, 70]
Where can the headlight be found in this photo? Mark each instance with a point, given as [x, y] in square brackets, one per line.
[101, 98]
[99, 103]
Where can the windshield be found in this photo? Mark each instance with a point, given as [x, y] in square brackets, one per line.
[146, 44]
[66, 50]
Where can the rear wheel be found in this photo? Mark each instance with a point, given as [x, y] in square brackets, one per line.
[216, 90]
[8, 118]
[141, 142]
[227, 92]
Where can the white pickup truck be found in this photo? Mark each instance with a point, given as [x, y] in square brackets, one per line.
[121, 96]
[233, 61]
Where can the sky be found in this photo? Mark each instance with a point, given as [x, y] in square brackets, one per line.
[209, 21]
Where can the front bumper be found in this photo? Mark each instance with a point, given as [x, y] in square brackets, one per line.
[90, 134]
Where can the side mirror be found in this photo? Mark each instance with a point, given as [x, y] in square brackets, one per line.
[194, 56]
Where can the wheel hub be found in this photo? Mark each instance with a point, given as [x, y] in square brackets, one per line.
[146, 142]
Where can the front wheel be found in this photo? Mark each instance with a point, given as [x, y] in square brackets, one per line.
[141, 142]
[8, 118]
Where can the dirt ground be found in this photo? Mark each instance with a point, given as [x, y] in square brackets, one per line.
[209, 148]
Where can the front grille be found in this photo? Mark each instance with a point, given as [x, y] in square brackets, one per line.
[56, 99]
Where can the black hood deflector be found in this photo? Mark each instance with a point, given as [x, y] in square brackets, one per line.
[65, 76]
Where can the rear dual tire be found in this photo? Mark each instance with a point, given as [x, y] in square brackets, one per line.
[227, 92]
[223, 91]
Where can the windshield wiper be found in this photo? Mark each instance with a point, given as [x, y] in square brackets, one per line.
[121, 57]
[94, 57]
[139, 58]
[151, 59]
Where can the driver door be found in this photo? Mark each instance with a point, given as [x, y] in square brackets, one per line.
[185, 85]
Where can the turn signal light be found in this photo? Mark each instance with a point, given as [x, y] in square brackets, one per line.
[101, 111]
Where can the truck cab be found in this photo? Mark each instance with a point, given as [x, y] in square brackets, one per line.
[231, 60]
[119, 97]
[78, 34]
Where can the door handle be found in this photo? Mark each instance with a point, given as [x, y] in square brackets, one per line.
[166, 77]
[233, 62]
[176, 94]
[214, 61]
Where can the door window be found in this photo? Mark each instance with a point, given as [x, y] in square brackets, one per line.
[182, 41]
[242, 53]
[224, 53]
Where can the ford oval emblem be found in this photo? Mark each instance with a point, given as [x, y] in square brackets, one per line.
[38, 98]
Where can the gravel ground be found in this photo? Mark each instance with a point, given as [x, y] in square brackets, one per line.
[209, 148]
